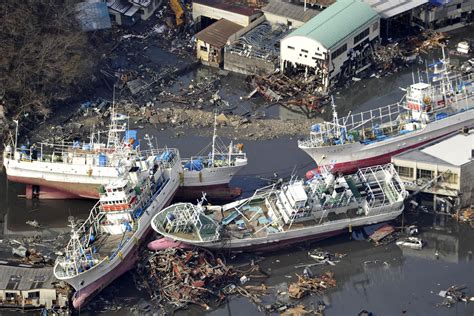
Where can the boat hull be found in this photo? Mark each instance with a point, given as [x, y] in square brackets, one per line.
[277, 241]
[349, 157]
[74, 182]
[91, 282]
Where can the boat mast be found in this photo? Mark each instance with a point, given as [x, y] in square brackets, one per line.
[214, 140]
[335, 117]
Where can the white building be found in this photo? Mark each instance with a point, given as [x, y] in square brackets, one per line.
[450, 159]
[128, 12]
[335, 44]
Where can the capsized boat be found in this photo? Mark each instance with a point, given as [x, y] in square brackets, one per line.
[427, 112]
[106, 244]
[276, 216]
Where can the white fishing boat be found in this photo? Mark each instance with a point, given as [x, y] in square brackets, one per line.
[106, 244]
[77, 170]
[273, 217]
[410, 242]
[214, 166]
[428, 112]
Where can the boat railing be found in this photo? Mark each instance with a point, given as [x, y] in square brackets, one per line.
[356, 127]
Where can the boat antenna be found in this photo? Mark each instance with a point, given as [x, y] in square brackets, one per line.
[214, 135]
[334, 115]
[16, 134]
[413, 77]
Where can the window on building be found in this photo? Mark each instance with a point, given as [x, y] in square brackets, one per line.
[375, 26]
[449, 177]
[361, 36]
[304, 51]
[10, 295]
[34, 295]
[458, 6]
[289, 23]
[314, 58]
[291, 47]
[424, 174]
[203, 48]
[339, 51]
[405, 172]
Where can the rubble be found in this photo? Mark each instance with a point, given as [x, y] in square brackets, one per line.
[307, 284]
[178, 277]
[453, 295]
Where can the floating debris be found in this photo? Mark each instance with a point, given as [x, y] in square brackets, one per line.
[307, 284]
[453, 295]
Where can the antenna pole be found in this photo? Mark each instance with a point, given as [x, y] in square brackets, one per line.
[16, 134]
[214, 139]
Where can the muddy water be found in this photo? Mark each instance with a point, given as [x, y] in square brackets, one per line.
[386, 280]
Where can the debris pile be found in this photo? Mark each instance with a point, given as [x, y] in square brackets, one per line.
[453, 295]
[466, 216]
[297, 91]
[177, 277]
[308, 284]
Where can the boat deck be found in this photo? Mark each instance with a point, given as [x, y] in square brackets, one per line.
[107, 245]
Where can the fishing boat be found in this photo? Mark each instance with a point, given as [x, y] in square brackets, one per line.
[427, 112]
[77, 170]
[280, 215]
[212, 169]
[72, 169]
[106, 244]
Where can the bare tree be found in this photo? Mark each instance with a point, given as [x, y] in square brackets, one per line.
[44, 57]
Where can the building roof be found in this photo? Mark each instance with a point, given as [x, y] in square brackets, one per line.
[93, 16]
[290, 10]
[25, 278]
[219, 32]
[391, 8]
[336, 22]
[229, 5]
[120, 6]
[455, 150]
[441, 152]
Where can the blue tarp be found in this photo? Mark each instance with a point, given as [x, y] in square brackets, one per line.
[195, 165]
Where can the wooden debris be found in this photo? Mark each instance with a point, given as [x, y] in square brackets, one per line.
[306, 285]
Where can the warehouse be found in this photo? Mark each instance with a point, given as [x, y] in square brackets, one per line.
[206, 12]
[334, 45]
[438, 170]
[210, 42]
[280, 12]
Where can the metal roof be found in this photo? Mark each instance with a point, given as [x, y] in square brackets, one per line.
[228, 5]
[93, 15]
[391, 8]
[337, 22]
[441, 151]
[455, 150]
[22, 278]
[290, 10]
[218, 33]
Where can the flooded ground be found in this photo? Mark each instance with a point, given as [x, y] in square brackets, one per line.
[386, 280]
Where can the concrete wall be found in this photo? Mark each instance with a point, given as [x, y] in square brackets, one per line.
[148, 12]
[276, 19]
[247, 66]
[217, 14]
[467, 184]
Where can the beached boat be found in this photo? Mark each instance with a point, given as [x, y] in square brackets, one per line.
[428, 111]
[276, 216]
[106, 244]
[77, 170]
